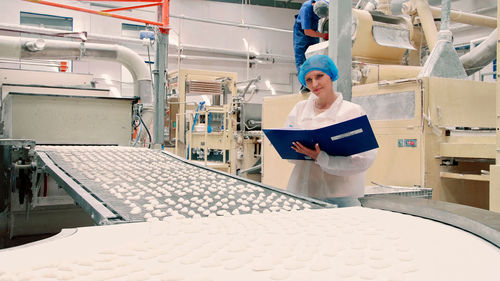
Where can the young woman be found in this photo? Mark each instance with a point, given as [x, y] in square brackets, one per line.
[335, 179]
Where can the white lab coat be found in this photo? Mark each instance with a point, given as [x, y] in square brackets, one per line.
[328, 176]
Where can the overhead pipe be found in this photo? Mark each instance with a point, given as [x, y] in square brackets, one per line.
[26, 48]
[241, 25]
[125, 40]
[467, 18]
[482, 55]
[427, 14]
[57, 32]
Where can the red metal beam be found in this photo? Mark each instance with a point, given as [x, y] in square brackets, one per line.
[131, 8]
[160, 24]
[156, 1]
[165, 12]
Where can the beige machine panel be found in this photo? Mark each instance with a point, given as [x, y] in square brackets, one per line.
[396, 166]
[452, 103]
[15, 76]
[494, 195]
[394, 111]
[67, 119]
[469, 150]
[461, 103]
[365, 48]
[276, 171]
[9, 88]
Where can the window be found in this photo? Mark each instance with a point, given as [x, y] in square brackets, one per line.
[47, 21]
[132, 30]
[65, 24]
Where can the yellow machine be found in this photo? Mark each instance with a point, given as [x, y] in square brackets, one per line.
[433, 132]
[207, 121]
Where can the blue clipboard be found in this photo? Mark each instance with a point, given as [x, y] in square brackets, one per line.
[342, 139]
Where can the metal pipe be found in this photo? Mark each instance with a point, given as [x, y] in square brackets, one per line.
[445, 15]
[340, 49]
[55, 32]
[15, 48]
[118, 39]
[207, 58]
[467, 18]
[160, 75]
[58, 5]
[482, 55]
[377, 73]
[242, 25]
[427, 21]
[29, 63]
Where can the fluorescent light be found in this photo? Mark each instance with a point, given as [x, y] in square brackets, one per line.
[270, 87]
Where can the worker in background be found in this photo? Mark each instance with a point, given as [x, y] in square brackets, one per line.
[336, 179]
[305, 29]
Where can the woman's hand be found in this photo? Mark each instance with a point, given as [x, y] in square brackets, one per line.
[313, 153]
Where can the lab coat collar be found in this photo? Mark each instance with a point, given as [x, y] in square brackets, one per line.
[309, 110]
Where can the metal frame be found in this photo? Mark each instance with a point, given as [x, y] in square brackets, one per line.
[211, 140]
[91, 205]
[482, 223]
[161, 50]
[164, 5]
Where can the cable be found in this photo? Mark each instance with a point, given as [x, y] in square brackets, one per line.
[198, 108]
[149, 64]
[145, 127]
[138, 135]
[251, 96]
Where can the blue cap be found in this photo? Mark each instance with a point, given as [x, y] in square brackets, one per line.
[318, 62]
[320, 8]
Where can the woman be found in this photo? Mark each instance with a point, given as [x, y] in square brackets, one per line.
[335, 179]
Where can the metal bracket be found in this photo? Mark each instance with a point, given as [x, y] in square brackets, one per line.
[97, 211]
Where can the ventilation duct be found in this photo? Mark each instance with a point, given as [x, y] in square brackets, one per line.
[26, 48]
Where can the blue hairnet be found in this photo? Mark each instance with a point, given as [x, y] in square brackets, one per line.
[320, 8]
[318, 62]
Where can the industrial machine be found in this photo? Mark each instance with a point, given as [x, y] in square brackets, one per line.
[213, 123]
[68, 160]
[53, 109]
[432, 131]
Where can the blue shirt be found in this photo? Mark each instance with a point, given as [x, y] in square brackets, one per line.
[307, 18]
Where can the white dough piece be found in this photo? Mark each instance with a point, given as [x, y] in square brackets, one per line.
[135, 211]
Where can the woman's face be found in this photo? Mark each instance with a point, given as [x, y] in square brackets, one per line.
[319, 83]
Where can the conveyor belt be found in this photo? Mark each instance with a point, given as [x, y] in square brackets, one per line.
[125, 184]
[330, 244]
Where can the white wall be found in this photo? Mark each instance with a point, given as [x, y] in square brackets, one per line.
[276, 44]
